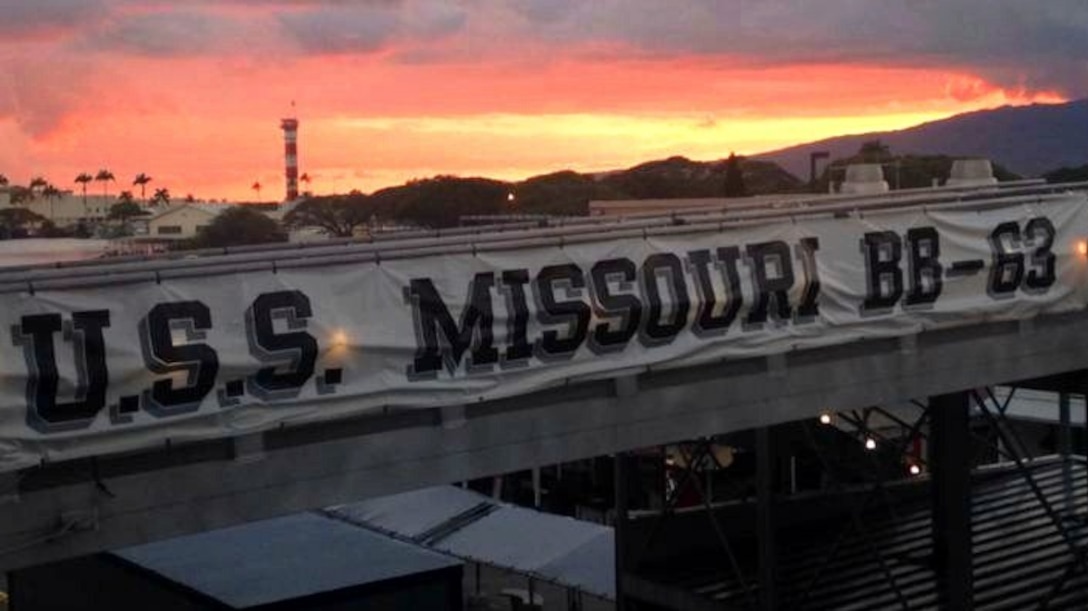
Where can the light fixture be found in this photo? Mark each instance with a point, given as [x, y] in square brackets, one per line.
[339, 339]
[870, 443]
[914, 469]
[825, 418]
[1082, 248]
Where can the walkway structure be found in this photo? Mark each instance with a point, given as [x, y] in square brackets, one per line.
[145, 398]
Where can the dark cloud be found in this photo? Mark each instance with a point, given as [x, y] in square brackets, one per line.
[1039, 44]
[27, 18]
[171, 34]
[545, 11]
[365, 27]
[40, 92]
[340, 30]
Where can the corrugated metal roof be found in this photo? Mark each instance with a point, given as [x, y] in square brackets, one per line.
[472, 526]
[591, 567]
[1019, 554]
[1040, 405]
[410, 514]
[282, 559]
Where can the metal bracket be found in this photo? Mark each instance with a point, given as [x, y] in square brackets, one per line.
[453, 416]
[776, 365]
[9, 488]
[626, 386]
[79, 520]
[908, 344]
[248, 448]
[1026, 326]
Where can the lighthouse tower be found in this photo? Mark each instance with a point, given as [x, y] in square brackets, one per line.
[290, 156]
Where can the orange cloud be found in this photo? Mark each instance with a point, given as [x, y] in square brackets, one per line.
[396, 90]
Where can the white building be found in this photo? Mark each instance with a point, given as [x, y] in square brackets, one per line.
[179, 222]
[971, 173]
[864, 179]
[66, 208]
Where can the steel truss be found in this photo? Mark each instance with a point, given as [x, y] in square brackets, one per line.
[952, 570]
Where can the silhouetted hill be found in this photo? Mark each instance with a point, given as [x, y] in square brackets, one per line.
[442, 200]
[679, 177]
[1028, 140]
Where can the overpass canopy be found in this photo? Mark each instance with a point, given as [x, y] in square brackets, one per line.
[140, 354]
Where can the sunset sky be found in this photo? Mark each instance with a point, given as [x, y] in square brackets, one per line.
[386, 90]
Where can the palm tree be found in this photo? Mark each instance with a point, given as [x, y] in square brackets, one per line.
[161, 197]
[50, 192]
[38, 182]
[142, 180]
[83, 179]
[104, 176]
[257, 187]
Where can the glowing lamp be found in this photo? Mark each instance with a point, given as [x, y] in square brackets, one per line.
[1082, 248]
[339, 339]
[825, 418]
[870, 443]
[914, 469]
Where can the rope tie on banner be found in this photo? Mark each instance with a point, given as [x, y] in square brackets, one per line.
[64, 529]
[98, 483]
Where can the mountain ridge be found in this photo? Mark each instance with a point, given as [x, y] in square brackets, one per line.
[1028, 140]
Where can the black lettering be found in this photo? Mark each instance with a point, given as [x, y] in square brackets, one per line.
[810, 295]
[433, 317]
[882, 251]
[518, 348]
[707, 322]
[925, 270]
[627, 307]
[572, 312]
[296, 350]
[1007, 269]
[36, 336]
[654, 331]
[198, 361]
[1039, 234]
[764, 258]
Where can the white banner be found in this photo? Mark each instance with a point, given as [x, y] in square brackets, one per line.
[97, 370]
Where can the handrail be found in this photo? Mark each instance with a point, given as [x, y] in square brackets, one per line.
[157, 270]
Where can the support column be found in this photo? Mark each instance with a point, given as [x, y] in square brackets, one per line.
[536, 488]
[1065, 447]
[950, 470]
[619, 471]
[765, 472]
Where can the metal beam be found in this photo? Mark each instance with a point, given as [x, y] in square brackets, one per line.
[619, 489]
[168, 493]
[1065, 448]
[950, 468]
[765, 476]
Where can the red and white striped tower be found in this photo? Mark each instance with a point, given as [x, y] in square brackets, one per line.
[290, 155]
